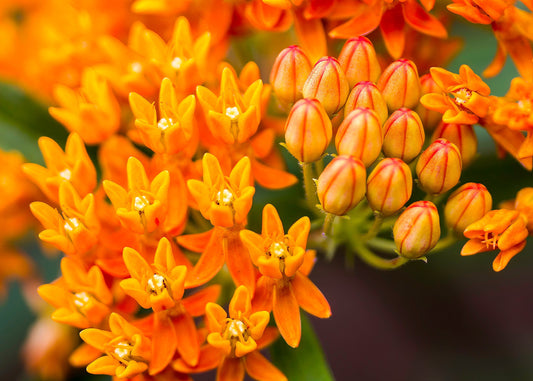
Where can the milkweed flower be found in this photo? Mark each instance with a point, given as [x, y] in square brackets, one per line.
[127, 350]
[284, 286]
[501, 229]
[524, 204]
[142, 207]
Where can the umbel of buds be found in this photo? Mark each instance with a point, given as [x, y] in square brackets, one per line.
[341, 185]
[308, 130]
[417, 230]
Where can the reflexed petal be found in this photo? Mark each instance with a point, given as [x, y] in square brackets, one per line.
[210, 358]
[392, 29]
[163, 343]
[195, 303]
[239, 263]
[505, 256]
[259, 368]
[272, 178]
[187, 340]
[210, 262]
[287, 314]
[419, 19]
[231, 369]
[264, 293]
[309, 297]
[474, 246]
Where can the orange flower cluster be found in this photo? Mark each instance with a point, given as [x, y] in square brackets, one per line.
[154, 226]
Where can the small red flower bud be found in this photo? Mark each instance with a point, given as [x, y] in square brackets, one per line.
[430, 119]
[403, 135]
[462, 135]
[389, 186]
[342, 185]
[439, 167]
[400, 85]
[308, 130]
[366, 94]
[327, 83]
[288, 75]
[359, 135]
[417, 230]
[466, 205]
[359, 61]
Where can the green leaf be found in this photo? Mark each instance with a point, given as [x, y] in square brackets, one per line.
[23, 120]
[307, 362]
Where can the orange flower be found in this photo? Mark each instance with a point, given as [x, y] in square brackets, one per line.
[172, 131]
[500, 229]
[72, 165]
[92, 111]
[232, 117]
[237, 337]
[517, 114]
[480, 12]
[127, 350]
[141, 208]
[161, 288]
[74, 231]
[283, 286]
[470, 96]
[81, 298]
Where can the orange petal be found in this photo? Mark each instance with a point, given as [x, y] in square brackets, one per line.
[272, 225]
[309, 262]
[103, 365]
[269, 336]
[231, 369]
[240, 303]
[392, 29]
[264, 292]
[417, 17]
[364, 22]
[187, 338]
[239, 263]
[209, 359]
[311, 35]
[195, 242]
[163, 343]
[309, 296]
[259, 368]
[287, 314]
[497, 64]
[195, 303]
[474, 246]
[272, 178]
[505, 256]
[210, 262]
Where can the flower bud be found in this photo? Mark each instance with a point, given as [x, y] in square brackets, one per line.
[462, 135]
[359, 61]
[524, 204]
[359, 135]
[403, 135]
[417, 230]
[466, 205]
[288, 75]
[366, 94]
[430, 118]
[327, 83]
[439, 167]
[389, 186]
[400, 85]
[308, 130]
[341, 185]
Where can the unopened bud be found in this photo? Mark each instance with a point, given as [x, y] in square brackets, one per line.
[366, 94]
[327, 83]
[467, 204]
[389, 186]
[360, 136]
[341, 185]
[400, 85]
[462, 135]
[417, 230]
[430, 118]
[403, 135]
[308, 130]
[439, 167]
[359, 61]
[288, 75]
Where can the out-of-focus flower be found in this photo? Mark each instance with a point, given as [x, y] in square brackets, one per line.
[500, 229]
[417, 230]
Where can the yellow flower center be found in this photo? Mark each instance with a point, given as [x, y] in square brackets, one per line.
[235, 330]
[224, 197]
[136, 67]
[232, 112]
[65, 173]
[525, 106]
[71, 224]
[122, 351]
[165, 123]
[462, 96]
[491, 240]
[279, 250]
[176, 63]
[81, 299]
[156, 284]
[140, 202]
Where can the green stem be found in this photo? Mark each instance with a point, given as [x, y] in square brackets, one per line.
[374, 229]
[309, 185]
[444, 243]
[382, 245]
[378, 262]
[328, 224]
[319, 166]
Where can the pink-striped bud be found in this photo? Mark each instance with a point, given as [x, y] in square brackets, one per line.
[403, 135]
[400, 85]
[359, 61]
[342, 185]
[462, 135]
[289, 73]
[308, 130]
[366, 94]
[389, 186]
[439, 167]
[466, 205]
[360, 136]
[327, 83]
[417, 230]
[430, 119]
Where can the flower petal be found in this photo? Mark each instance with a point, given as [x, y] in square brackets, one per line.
[287, 314]
[259, 368]
[309, 296]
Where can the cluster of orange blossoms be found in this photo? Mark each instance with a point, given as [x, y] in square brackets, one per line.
[154, 229]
